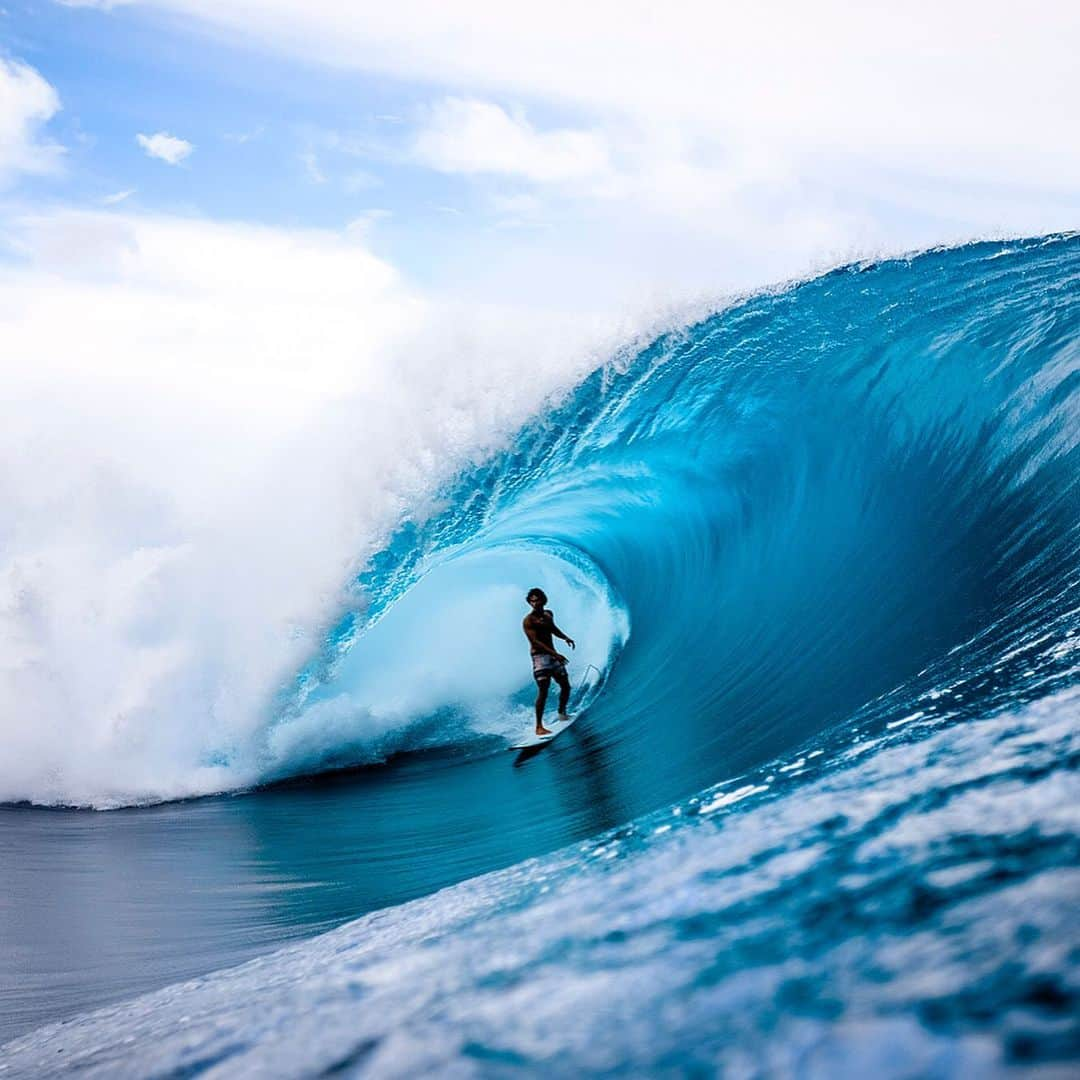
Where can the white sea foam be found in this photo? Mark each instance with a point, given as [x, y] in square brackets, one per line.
[205, 430]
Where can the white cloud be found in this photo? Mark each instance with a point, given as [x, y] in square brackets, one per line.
[27, 102]
[722, 146]
[521, 204]
[117, 197]
[469, 136]
[183, 264]
[166, 147]
[981, 89]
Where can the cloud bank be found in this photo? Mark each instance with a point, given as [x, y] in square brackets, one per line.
[27, 103]
[964, 89]
[606, 152]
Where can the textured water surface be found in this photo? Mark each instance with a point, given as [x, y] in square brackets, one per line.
[907, 905]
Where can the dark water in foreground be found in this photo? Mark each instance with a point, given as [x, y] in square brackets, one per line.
[98, 906]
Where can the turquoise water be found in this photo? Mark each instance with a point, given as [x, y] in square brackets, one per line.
[822, 550]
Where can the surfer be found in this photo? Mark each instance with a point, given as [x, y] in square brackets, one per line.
[539, 626]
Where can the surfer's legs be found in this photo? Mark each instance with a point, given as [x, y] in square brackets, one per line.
[564, 692]
[542, 685]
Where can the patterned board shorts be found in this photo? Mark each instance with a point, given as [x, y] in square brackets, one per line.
[545, 666]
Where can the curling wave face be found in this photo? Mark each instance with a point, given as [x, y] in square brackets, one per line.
[773, 518]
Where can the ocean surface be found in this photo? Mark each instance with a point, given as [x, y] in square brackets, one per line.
[820, 814]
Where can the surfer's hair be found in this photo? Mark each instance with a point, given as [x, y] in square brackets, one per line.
[539, 593]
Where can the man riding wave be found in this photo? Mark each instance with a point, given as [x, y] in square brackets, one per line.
[539, 626]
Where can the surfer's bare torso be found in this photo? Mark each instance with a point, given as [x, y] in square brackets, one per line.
[539, 629]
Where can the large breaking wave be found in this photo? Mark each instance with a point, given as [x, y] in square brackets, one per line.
[820, 552]
[755, 527]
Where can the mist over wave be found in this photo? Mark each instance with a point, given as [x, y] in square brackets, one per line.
[196, 461]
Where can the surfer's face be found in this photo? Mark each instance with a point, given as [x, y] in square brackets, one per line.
[536, 601]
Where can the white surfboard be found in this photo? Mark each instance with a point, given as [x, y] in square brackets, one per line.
[556, 727]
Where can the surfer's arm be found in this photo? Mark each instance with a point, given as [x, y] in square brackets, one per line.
[559, 634]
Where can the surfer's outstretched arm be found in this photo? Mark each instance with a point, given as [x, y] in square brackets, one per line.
[559, 634]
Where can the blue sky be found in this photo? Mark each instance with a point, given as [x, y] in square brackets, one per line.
[276, 139]
[274, 143]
